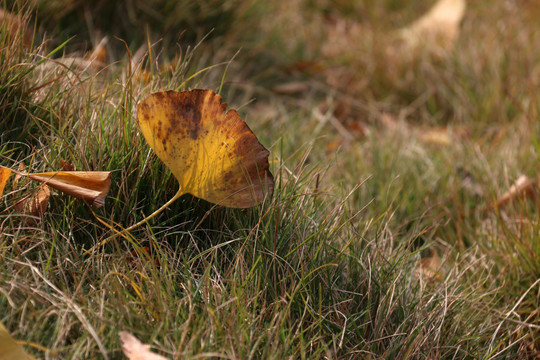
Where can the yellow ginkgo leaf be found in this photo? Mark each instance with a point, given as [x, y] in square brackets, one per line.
[9, 349]
[4, 176]
[212, 152]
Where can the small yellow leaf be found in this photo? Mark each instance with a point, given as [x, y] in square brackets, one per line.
[9, 349]
[135, 350]
[90, 186]
[4, 176]
[436, 136]
[212, 152]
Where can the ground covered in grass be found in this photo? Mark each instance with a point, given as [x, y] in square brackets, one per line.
[386, 235]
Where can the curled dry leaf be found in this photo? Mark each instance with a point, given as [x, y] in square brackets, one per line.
[439, 27]
[39, 203]
[90, 186]
[98, 57]
[135, 350]
[428, 268]
[212, 152]
[4, 176]
[9, 349]
[524, 187]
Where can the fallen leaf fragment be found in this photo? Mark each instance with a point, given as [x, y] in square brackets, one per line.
[438, 28]
[9, 349]
[429, 268]
[524, 187]
[66, 166]
[293, 87]
[39, 203]
[212, 152]
[4, 176]
[436, 136]
[333, 145]
[135, 350]
[90, 186]
[98, 57]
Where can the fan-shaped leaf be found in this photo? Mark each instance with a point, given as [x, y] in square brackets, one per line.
[212, 152]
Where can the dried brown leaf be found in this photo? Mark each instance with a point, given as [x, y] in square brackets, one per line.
[428, 268]
[524, 187]
[439, 27]
[135, 350]
[98, 57]
[39, 203]
[90, 186]
[66, 166]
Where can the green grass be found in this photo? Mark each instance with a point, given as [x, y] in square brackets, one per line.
[329, 266]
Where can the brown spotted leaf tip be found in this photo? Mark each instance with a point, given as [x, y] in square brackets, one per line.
[211, 151]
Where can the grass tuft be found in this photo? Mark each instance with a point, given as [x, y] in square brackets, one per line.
[380, 240]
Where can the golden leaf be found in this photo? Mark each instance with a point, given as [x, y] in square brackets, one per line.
[9, 349]
[212, 152]
[4, 176]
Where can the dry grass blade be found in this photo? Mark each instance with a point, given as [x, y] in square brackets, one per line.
[16, 25]
[73, 306]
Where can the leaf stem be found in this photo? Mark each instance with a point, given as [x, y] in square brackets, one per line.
[123, 232]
